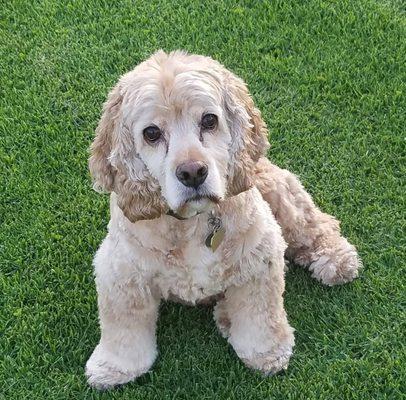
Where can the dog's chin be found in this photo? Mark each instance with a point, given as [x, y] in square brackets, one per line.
[195, 205]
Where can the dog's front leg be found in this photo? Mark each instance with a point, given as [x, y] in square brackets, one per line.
[128, 315]
[127, 347]
[254, 320]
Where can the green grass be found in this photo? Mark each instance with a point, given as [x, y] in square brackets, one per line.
[329, 77]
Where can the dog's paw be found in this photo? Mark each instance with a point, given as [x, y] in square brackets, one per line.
[270, 362]
[270, 354]
[337, 265]
[102, 375]
[105, 370]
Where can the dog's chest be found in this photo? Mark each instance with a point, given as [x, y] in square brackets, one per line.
[174, 258]
[191, 268]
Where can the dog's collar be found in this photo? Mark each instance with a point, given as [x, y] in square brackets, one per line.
[174, 215]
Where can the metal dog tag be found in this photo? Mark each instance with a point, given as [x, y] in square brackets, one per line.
[215, 238]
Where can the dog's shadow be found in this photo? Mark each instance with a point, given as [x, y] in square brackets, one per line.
[190, 346]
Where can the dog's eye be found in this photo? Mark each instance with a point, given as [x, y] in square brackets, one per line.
[209, 121]
[152, 133]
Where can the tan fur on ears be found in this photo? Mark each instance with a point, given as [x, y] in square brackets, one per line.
[139, 199]
[100, 166]
[138, 193]
[249, 132]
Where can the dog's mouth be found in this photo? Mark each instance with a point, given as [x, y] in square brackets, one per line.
[194, 205]
[198, 197]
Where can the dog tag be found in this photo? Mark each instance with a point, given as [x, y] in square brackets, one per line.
[215, 238]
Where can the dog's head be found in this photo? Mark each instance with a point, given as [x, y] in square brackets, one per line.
[178, 133]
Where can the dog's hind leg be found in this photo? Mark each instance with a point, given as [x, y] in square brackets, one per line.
[313, 237]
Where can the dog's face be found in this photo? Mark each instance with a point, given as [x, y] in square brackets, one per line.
[178, 134]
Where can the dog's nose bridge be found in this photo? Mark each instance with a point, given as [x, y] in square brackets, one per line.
[184, 148]
[187, 159]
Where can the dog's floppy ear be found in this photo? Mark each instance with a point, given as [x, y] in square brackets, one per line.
[248, 132]
[115, 166]
[100, 167]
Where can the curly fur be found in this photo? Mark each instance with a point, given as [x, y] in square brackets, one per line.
[149, 255]
[114, 167]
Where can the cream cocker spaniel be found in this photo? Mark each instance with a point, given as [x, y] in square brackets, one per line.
[197, 211]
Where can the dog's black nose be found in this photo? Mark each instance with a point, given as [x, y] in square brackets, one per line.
[192, 173]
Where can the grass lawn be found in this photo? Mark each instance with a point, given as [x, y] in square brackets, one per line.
[330, 79]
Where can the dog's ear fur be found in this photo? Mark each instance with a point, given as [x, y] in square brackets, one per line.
[248, 131]
[100, 167]
[115, 166]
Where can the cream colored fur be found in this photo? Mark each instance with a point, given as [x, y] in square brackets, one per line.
[149, 255]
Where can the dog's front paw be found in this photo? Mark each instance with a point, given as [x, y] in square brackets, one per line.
[269, 356]
[336, 265]
[105, 369]
[272, 361]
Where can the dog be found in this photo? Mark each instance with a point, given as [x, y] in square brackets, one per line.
[197, 212]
